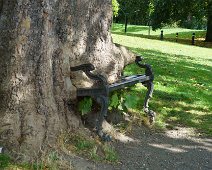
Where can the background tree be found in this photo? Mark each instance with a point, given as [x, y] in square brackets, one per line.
[39, 41]
[137, 11]
[171, 11]
[209, 24]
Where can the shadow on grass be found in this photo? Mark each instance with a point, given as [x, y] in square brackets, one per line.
[182, 89]
[178, 110]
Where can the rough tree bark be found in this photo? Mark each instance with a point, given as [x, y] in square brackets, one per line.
[209, 24]
[39, 41]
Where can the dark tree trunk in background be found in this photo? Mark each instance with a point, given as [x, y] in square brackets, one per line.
[209, 24]
[39, 41]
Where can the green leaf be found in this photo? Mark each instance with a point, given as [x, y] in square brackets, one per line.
[114, 101]
[131, 101]
[115, 6]
[85, 105]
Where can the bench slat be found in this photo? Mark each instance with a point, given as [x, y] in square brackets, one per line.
[128, 81]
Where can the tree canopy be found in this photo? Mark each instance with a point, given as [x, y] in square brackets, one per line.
[171, 11]
[137, 11]
[190, 14]
[115, 5]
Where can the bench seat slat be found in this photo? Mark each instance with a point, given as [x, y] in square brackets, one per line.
[124, 82]
[127, 81]
[132, 77]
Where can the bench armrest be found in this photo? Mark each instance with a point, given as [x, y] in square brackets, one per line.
[87, 68]
[147, 67]
[138, 59]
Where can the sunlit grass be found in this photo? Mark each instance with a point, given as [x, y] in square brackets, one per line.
[138, 29]
[198, 54]
[169, 34]
[183, 81]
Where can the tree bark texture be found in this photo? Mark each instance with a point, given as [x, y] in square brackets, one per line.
[209, 24]
[39, 41]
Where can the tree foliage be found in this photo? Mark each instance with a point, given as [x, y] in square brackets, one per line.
[195, 14]
[170, 11]
[137, 11]
[115, 5]
[167, 12]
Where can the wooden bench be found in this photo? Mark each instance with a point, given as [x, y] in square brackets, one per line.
[101, 92]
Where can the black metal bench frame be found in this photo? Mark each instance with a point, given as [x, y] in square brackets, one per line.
[101, 92]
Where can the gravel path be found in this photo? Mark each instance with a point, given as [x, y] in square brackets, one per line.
[174, 149]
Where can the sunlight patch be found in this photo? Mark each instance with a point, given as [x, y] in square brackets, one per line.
[169, 148]
[117, 135]
[180, 133]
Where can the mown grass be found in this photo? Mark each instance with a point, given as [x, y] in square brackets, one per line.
[139, 29]
[184, 35]
[183, 81]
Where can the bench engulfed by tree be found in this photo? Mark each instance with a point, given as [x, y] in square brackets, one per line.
[101, 91]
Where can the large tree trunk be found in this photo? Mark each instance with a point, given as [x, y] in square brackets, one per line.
[209, 24]
[39, 41]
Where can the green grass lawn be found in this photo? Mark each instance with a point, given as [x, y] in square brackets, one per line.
[184, 35]
[138, 29]
[183, 81]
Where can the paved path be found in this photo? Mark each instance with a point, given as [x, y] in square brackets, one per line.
[171, 150]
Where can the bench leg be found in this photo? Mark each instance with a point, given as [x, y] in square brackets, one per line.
[151, 114]
[103, 101]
